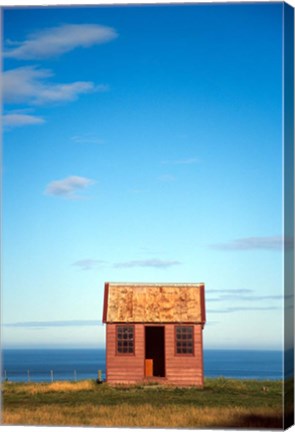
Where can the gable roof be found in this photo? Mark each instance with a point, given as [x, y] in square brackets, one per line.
[150, 303]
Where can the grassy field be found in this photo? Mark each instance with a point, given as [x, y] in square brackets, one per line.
[222, 403]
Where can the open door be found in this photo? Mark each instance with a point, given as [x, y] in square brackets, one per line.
[154, 351]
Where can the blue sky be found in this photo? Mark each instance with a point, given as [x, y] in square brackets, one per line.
[142, 143]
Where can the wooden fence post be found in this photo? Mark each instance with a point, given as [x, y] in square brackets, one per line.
[51, 374]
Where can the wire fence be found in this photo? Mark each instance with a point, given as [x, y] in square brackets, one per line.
[51, 375]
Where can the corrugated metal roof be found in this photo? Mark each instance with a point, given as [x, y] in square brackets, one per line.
[154, 302]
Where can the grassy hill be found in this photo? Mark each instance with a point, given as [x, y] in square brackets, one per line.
[221, 403]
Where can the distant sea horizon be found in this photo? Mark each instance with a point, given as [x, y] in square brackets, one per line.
[58, 364]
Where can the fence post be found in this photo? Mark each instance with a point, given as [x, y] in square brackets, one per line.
[75, 375]
[29, 379]
[5, 375]
[99, 375]
[51, 374]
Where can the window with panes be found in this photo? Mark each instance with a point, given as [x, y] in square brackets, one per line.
[184, 336]
[125, 339]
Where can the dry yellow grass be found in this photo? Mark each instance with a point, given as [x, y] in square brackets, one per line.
[139, 416]
[58, 386]
[221, 404]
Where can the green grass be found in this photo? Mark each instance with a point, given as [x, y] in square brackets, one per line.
[221, 403]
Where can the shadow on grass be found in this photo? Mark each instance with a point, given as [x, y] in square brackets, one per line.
[256, 421]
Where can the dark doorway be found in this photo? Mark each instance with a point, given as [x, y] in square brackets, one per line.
[154, 349]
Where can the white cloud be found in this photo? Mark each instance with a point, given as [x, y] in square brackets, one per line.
[52, 42]
[255, 243]
[68, 187]
[43, 324]
[29, 84]
[17, 119]
[243, 298]
[244, 308]
[155, 263]
[62, 92]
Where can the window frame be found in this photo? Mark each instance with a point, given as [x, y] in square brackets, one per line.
[187, 354]
[128, 354]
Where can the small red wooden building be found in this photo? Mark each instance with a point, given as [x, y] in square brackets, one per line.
[154, 333]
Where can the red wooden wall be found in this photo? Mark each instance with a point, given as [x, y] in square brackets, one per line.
[124, 368]
[184, 369]
[181, 370]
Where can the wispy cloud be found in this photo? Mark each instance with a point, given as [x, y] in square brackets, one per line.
[242, 295]
[255, 243]
[243, 298]
[89, 264]
[68, 187]
[244, 308]
[30, 85]
[155, 263]
[52, 42]
[11, 120]
[186, 161]
[66, 323]
[255, 297]
[231, 291]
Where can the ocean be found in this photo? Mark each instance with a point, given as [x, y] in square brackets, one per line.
[38, 365]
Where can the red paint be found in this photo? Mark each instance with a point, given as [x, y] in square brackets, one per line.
[203, 309]
[201, 337]
[125, 368]
[180, 369]
[107, 350]
[184, 369]
[105, 302]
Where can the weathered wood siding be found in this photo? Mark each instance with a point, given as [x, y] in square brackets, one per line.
[184, 369]
[124, 368]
